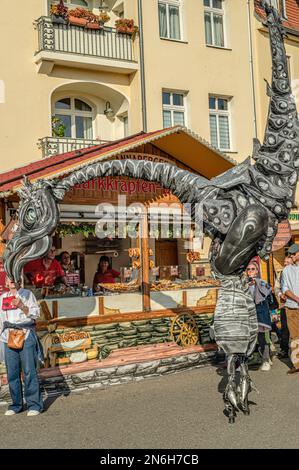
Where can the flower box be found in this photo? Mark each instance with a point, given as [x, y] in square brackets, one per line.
[77, 21]
[93, 26]
[124, 30]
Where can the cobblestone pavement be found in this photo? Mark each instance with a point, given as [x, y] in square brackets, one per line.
[181, 410]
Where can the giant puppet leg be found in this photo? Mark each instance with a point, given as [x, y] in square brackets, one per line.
[235, 320]
[230, 395]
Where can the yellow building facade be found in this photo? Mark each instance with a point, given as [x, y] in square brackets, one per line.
[198, 63]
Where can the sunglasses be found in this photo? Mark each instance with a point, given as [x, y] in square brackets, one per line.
[251, 269]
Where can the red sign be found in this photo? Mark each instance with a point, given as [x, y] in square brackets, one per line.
[120, 185]
[283, 235]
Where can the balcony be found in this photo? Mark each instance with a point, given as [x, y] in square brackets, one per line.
[55, 145]
[74, 46]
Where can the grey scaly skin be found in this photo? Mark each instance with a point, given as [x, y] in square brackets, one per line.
[241, 211]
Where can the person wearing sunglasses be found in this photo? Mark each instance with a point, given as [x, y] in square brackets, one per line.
[19, 311]
[260, 291]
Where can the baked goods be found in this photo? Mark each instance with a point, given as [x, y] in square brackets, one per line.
[170, 285]
[132, 286]
[134, 252]
[193, 256]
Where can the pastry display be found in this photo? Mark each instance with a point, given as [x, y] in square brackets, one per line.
[170, 285]
[193, 256]
[132, 286]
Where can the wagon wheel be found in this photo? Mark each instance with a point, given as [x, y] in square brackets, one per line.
[184, 330]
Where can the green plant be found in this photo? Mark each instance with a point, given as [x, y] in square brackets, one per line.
[59, 10]
[58, 127]
[64, 230]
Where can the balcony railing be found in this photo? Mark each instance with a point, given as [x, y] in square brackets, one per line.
[54, 145]
[66, 38]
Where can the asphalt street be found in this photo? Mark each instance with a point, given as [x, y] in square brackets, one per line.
[182, 410]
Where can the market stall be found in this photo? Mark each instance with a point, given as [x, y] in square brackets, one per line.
[163, 290]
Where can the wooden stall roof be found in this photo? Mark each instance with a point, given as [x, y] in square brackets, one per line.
[179, 142]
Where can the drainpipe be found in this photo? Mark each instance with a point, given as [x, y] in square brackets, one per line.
[142, 70]
[252, 68]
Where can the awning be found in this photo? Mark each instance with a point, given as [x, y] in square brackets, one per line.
[179, 142]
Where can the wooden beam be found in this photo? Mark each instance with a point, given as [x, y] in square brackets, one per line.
[55, 309]
[184, 298]
[2, 211]
[101, 306]
[125, 317]
[145, 265]
[45, 309]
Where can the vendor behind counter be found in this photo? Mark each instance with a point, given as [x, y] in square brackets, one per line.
[105, 274]
[45, 271]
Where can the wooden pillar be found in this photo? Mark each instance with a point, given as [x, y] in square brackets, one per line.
[145, 279]
[101, 306]
[55, 309]
[184, 298]
[2, 211]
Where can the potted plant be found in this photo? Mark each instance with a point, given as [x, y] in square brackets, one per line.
[58, 128]
[92, 20]
[59, 13]
[126, 26]
[77, 17]
[103, 18]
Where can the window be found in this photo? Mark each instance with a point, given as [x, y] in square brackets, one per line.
[280, 6]
[169, 19]
[214, 28]
[219, 122]
[76, 115]
[75, 3]
[174, 113]
[126, 126]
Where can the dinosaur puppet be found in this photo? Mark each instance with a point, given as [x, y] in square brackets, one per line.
[241, 211]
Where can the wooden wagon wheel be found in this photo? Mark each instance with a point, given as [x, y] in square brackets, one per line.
[184, 330]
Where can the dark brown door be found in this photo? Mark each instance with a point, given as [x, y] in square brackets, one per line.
[166, 253]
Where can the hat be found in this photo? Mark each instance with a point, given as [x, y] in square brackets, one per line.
[293, 249]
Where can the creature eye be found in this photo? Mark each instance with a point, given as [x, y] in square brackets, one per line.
[30, 217]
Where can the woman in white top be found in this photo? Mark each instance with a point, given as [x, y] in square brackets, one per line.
[18, 311]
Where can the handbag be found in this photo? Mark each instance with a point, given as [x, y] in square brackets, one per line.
[7, 303]
[16, 339]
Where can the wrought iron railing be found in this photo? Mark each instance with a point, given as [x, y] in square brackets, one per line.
[67, 38]
[55, 145]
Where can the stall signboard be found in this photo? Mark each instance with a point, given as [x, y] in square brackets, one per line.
[121, 185]
[200, 271]
[128, 272]
[73, 279]
[283, 236]
[109, 186]
[174, 270]
[155, 271]
[143, 156]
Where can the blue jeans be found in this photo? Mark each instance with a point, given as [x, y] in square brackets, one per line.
[15, 361]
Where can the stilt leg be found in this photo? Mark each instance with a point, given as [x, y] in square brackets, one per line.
[245, 385]
[230, 393]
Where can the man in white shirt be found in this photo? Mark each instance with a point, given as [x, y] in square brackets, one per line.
[21, 312]
[290, 289]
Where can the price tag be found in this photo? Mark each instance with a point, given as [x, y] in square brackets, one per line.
[200, 271]
[174, 270]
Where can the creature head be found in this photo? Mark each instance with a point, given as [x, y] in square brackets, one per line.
[37, 219]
